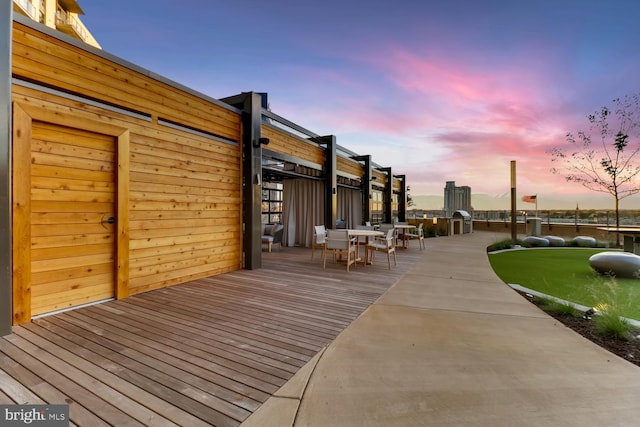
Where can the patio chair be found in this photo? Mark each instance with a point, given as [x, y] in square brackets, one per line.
[272, 234]
[385, 244]
[418, 234]
[338, 242]
[384, 227]
[319, 238]
[362, 240]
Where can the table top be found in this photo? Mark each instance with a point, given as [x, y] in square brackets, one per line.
[624, 230]
[401, 226]
[359, 232]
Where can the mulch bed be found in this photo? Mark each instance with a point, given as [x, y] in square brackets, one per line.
[627, 349]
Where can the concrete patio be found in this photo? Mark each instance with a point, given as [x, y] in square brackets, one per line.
[451, 345]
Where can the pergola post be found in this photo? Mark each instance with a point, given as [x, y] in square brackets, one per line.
[402, 199]
[251, 103]
[331, 180]
[366, 186]
[6, 301]
[388, 195]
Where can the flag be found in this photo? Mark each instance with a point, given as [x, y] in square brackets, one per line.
[530, 199]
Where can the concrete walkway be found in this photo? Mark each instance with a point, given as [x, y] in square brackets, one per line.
[451, 345]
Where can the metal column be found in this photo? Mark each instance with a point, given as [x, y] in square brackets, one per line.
[6, 306]
[331, 180]
[366, 187]
[388, 196]
[251, 104]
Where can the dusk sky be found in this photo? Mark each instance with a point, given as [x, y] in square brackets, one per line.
[438, 90]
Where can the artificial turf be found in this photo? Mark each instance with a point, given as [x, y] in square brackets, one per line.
[565, 273]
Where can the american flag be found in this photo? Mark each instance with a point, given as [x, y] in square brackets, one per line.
[530, 199]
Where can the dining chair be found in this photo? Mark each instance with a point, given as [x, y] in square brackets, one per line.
[418, 234]
[385, 244]
[319, 238]
[384, 227]
[362, 240]
[338, 242]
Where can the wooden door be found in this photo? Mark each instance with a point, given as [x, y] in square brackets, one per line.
[73, 210]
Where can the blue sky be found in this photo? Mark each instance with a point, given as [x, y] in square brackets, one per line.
[440, 91]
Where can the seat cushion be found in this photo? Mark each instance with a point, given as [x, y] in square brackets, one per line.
[266, 239]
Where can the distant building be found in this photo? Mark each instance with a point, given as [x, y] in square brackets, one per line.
[456, 198]
[61, 15]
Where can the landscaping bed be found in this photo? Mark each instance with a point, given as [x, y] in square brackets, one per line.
[628, 349]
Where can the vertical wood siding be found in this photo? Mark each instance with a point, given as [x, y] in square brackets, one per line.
[175, 194]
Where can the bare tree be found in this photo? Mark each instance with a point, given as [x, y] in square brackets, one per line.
[605, 158]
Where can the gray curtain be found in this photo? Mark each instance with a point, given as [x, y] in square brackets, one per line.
[350, 206]
[303, 208]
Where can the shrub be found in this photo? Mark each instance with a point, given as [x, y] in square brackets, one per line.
[429, 232]
[610, 324]
[610, 308]
[504, 244]
[557, 307]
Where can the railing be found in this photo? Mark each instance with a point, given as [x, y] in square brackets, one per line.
[28, 8]
[64, 18]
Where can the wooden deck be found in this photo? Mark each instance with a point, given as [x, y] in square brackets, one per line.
[204, 353]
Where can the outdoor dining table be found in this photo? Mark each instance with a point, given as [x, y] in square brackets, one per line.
[404, 227]
[356, 232]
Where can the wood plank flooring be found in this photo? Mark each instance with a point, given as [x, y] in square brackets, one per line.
[205, 353]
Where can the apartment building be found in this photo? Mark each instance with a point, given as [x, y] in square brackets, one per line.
[61, 15]
[456, 198]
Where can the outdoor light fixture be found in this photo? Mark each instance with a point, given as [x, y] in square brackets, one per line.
[260, 141]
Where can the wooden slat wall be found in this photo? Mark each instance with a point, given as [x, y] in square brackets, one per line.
[397, 185]
[180, 202]
[293, 146]
[349, 166]
[381, 178]
[39, 57]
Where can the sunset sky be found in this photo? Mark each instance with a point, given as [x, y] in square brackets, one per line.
[438, 90]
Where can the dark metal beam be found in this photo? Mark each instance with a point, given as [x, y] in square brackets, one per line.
[6, 301]
[388, 195]
[331, 180]
[251, 105]
[366, 186]
[402, 198]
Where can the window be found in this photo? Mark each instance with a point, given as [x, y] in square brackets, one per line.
[271, 203]
[377, 207]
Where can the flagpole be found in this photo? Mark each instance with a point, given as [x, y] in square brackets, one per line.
[514, 225]
[536, 206]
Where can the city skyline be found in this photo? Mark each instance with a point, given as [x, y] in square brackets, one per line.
[440, 92]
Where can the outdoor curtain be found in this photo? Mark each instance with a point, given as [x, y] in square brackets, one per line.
[303, 201]
[350, 206]
[303, 208]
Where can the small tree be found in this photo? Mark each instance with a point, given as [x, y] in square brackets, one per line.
[410, 201]
[605, 158]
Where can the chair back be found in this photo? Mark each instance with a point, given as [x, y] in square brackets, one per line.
[420, 228]
[368, 224]
[384, 227]
[337, 239]
[389, 237]
[320, 234]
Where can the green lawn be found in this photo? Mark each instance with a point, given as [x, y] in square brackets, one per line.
[565, 273]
